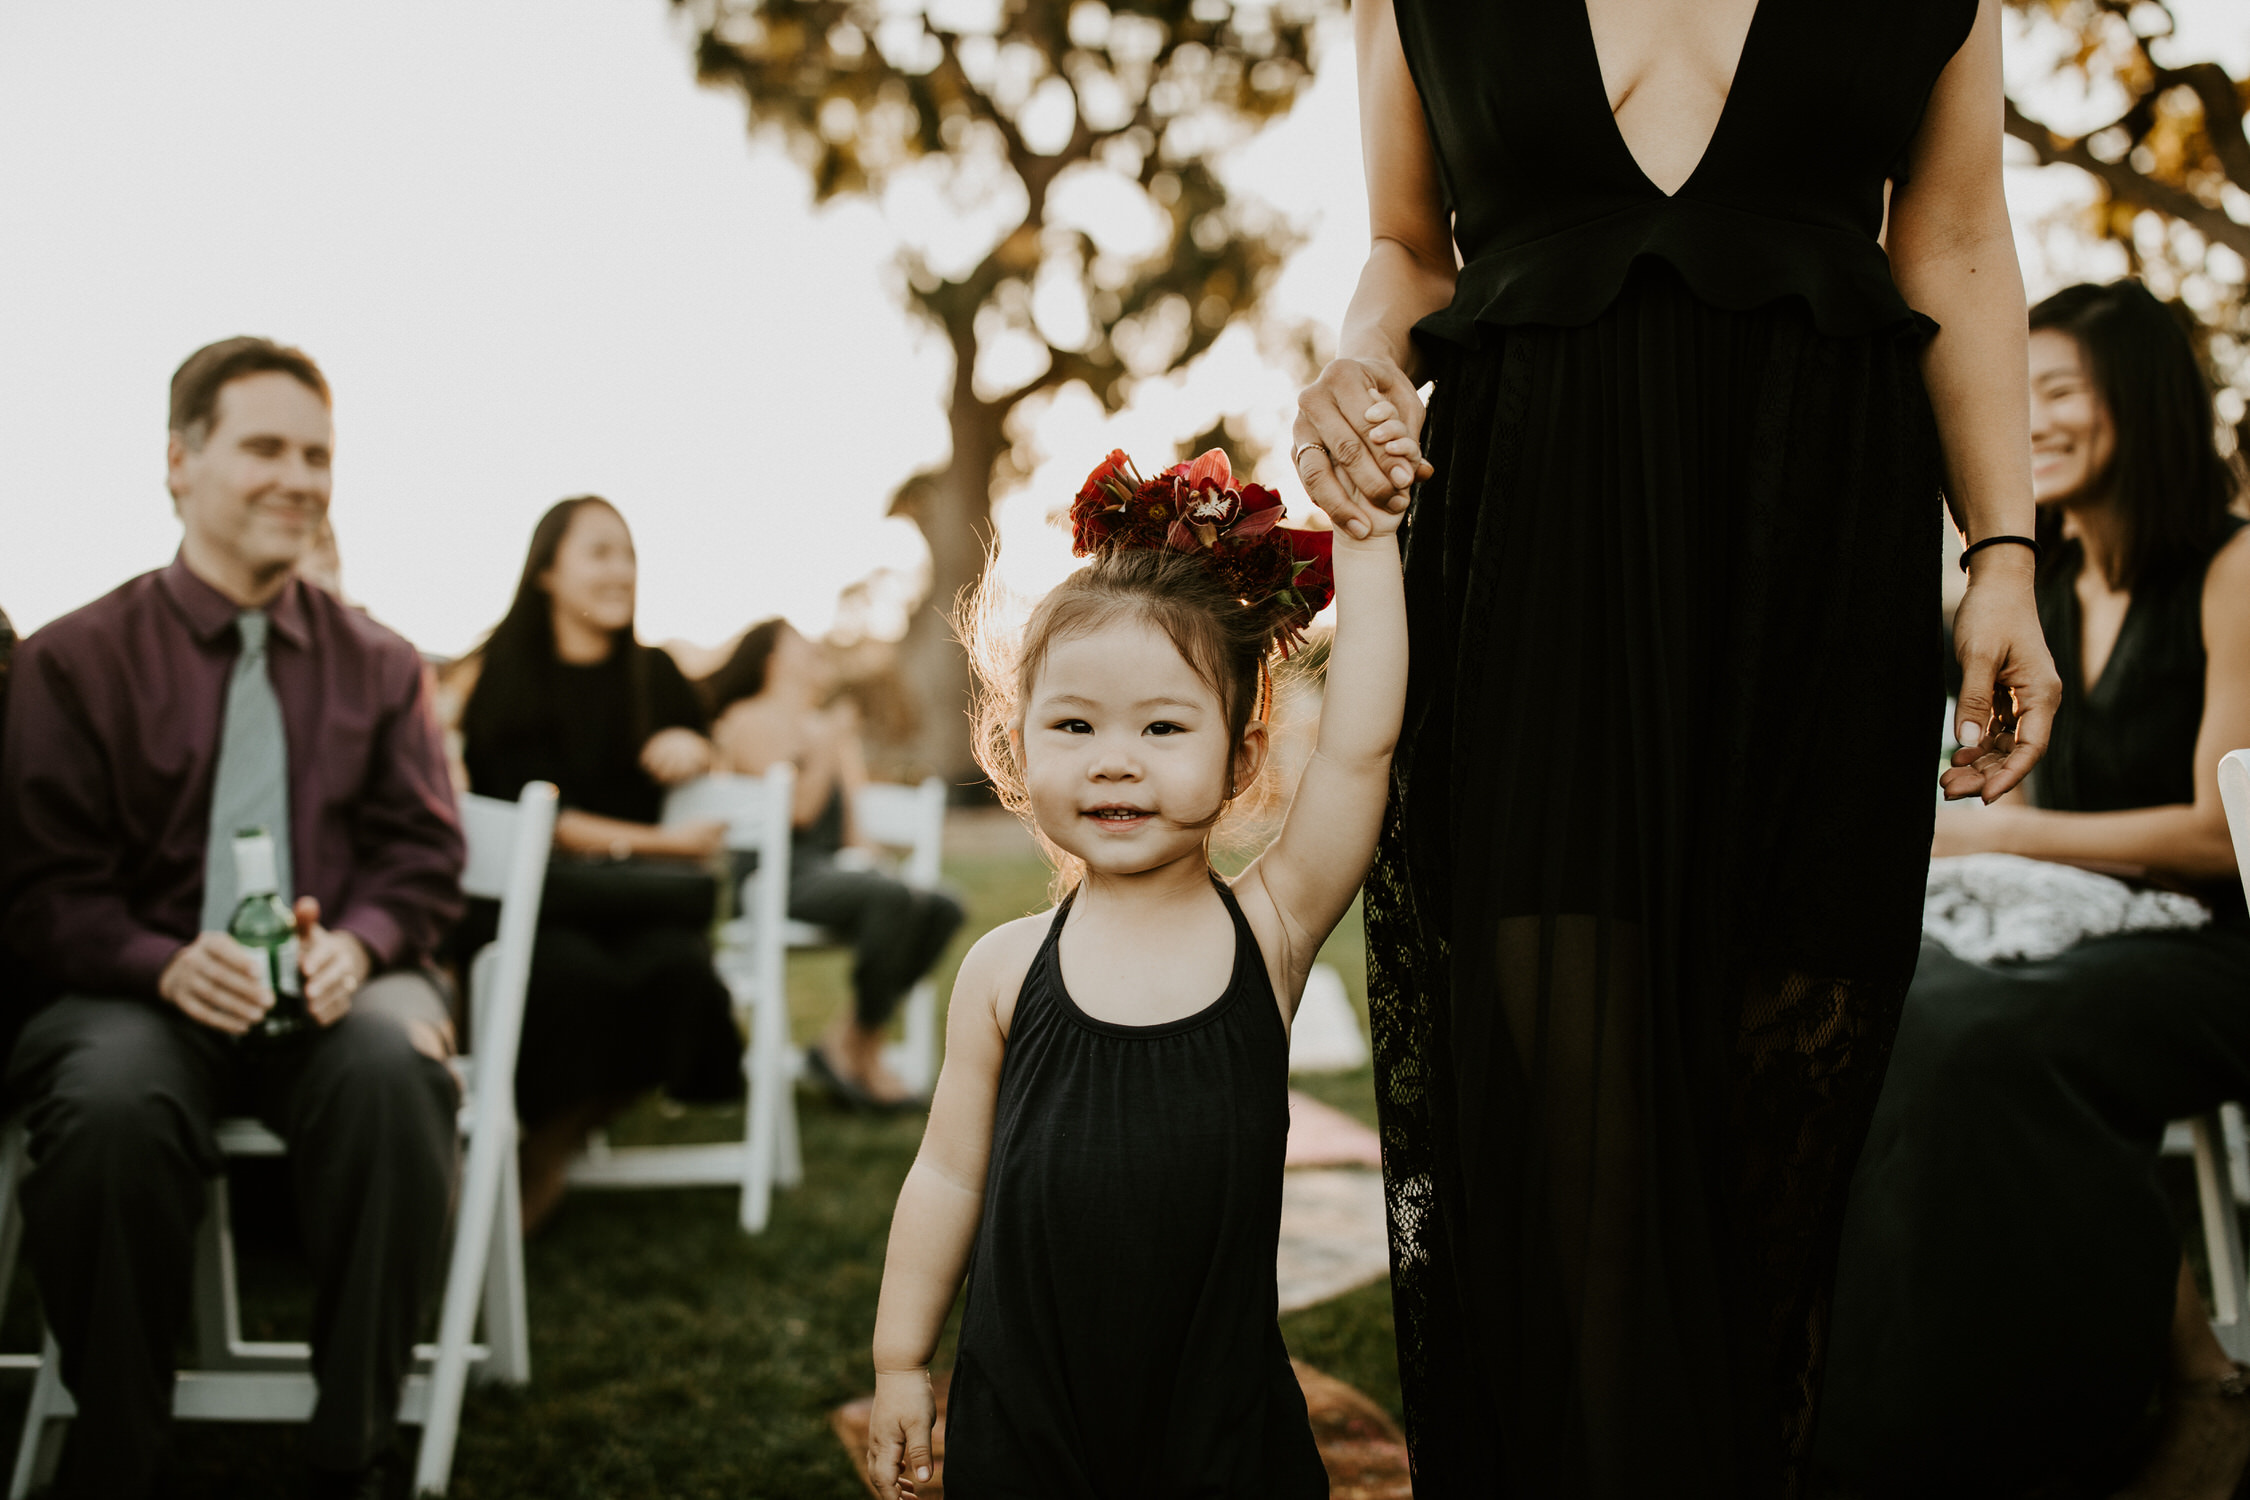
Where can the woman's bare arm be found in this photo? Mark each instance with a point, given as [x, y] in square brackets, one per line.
[2187, 841]
[1358, 466]
[1953, 254]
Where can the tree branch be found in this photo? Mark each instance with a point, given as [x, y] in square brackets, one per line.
[2128, 185]
[2221, 98]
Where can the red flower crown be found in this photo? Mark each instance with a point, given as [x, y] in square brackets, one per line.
[1197, 508]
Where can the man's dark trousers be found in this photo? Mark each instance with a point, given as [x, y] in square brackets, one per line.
[122, 1097]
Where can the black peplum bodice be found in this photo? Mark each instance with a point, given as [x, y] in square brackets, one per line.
[1551, 210]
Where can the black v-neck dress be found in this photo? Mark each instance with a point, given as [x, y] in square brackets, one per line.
[1120, 1337]
[1648, 897]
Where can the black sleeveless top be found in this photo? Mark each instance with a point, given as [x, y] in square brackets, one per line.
[1120, 1336]
[2129, 739]
[1551, 210]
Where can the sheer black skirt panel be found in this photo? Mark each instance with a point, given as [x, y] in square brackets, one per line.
[1648, 896]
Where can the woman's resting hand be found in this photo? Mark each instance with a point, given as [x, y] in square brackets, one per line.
[676, 755]
[898, 1432]
[2002, 649]
[1357, 441]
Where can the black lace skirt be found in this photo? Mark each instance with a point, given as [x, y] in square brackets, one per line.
[1649, 894]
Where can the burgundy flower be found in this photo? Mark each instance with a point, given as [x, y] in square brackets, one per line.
[1261, 509]
[1197, 508]
[1314, 556]
[1102, 507]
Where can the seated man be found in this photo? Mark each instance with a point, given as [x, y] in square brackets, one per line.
[144, 731]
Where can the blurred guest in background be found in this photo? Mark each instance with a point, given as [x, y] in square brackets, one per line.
[768, 705]
[623, 997]
[2012, 1297]
[144, 731]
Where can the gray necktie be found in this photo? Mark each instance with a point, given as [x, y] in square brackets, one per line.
[250, 787]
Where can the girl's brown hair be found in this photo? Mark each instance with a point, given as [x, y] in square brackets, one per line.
[1228, 643]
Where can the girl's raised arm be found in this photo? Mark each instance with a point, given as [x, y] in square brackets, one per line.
[1311, 872]
[936, 1220]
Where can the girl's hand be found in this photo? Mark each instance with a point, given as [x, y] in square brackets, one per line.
[1996, 633]
[1358, 441]
[898, 1433]
[676, 755]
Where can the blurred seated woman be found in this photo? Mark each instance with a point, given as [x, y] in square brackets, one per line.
[767, 706]
[2013, 1313]
[623, 997]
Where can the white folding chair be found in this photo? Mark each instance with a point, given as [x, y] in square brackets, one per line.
[751, 957]
[2216, 1139]
[242, 1380]
[911, 821]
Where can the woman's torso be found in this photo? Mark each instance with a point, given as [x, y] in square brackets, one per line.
[1120, 1332]
[2127, 738]
[581, 727]
[1551, 209]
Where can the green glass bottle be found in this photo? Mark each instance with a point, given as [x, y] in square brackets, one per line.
[269, 930]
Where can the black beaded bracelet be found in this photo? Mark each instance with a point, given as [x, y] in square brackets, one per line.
[1993, 541]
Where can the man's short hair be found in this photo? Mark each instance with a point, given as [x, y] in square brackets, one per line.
[202, 375]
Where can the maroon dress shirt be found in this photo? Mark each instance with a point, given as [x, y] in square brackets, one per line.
[112, 740]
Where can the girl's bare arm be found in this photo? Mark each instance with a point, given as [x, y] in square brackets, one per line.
[936, 1221]
[1315, 866]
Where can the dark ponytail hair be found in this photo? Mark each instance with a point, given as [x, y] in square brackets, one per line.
[2166, 478]
[518, 687]
[743, 674]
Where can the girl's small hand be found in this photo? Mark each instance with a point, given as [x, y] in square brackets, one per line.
[1358, 441]
[898, 1433]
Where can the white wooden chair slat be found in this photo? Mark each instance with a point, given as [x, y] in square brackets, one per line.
[752, 960]
[2222, 1165]
[245, 1380]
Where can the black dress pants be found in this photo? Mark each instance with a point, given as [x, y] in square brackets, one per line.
[122, 1098]
[897, 931]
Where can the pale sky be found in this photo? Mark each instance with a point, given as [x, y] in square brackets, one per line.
[535, 260]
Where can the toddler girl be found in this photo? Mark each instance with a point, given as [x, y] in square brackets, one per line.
[1107, 1136]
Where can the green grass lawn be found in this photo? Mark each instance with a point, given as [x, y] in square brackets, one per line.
[673, 1355]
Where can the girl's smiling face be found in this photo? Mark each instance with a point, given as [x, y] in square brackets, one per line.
[1125, 750]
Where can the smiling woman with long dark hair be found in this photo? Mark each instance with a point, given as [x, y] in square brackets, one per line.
[2012, 1299]
[623, 997]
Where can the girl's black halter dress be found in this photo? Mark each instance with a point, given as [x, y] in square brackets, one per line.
[1649, 894]
[1120, 1336]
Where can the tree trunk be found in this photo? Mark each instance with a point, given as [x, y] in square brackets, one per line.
[954, 512]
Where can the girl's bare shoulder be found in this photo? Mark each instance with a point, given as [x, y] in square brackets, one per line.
[994, 969]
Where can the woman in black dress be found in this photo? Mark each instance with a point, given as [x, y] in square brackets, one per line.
[2012, 1299]
[1647, 904]
[623, 998]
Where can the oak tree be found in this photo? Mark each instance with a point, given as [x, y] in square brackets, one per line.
[2167, 149]
[1010, 107]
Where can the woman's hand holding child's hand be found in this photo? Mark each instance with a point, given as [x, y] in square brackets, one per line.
[1358, 442]
[898, 1433]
